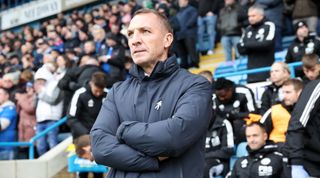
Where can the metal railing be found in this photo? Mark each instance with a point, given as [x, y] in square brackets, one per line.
[258, 70]
[30, 144]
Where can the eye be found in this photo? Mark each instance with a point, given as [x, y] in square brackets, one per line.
[146, 31]
[130, 34]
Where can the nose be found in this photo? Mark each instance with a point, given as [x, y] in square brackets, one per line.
[134, 39]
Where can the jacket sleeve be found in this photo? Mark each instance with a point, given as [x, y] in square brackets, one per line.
[52, 98]
[265, 102]
[178, 133]
[227, 143]
[75, 108]
[299, 119]
[266, 120]
[106, 148]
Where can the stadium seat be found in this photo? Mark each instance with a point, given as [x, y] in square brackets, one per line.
[240, 151]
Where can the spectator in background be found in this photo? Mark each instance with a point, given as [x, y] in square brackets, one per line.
[230, 27]
[89, 48]
[219, 147]
[273, 10]
[85, 105]
[26, 108]
[279, 73]
[49, 106]
[112, 59]
[304, 43]
[305, 10]
[310, 67]
[276, 119]
[208, 13]
[99, 36]
[8, 121]
[186, 35]
[10, 82]
[234, 103]
[79, 76]
[263, 160]
[84, 109]
[257, 42]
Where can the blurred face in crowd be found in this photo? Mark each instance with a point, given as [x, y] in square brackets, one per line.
[183, 3]
[7, 83]
[302, 32]
[229, 2]
[87, 153]
[256, 137]
[254, 16]
[4, 96]
[149, 40]
[290, 95]
[224, 95]
[278, 74]
[312, 73]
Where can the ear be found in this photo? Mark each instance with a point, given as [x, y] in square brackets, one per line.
[265, 136]
[168, 39]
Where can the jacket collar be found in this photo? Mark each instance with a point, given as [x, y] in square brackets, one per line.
[162, 69]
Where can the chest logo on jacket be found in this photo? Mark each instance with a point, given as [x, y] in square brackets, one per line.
[260, 34]
[90, 103]
[158, 105]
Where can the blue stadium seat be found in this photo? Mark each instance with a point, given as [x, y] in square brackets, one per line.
[240, 151]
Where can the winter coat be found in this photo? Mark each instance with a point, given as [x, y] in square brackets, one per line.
[143, 118]
[27, 116]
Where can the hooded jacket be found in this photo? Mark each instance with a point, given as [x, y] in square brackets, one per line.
[265, 162]
[165, 114]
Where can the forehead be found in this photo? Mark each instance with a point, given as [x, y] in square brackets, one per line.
[254, 129]
[276, 66]
[253, 12]
[145, 20]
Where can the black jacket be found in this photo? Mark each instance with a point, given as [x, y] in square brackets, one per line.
[219, 142]
[303, 136]
[297, 49]
[206, 6]
[270, 97]
[77, 77]
[258, 43]
[241, 104]
[166, 114]
[265, 162]
[83, 111]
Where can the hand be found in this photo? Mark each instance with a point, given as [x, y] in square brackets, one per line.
[297, 171]
[216, 170]
[209, 13]
[162, 158]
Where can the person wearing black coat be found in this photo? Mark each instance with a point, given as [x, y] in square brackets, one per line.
[263, 160]
[257, 42]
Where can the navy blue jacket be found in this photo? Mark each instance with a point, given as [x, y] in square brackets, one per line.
[166, 114]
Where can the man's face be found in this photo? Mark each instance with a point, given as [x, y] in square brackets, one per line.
[303, 32]
[290, 95]
[96, 91]
[256, 137]
[312, 73]
[254, 17]
[224, 95]
[277, 74]
[148, 40]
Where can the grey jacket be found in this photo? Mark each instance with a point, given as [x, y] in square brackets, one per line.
[166, 114]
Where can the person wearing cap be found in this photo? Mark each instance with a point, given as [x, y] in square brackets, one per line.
[112, 58]
[304, 43]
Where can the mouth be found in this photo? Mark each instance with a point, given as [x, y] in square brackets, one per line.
[138, 51]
